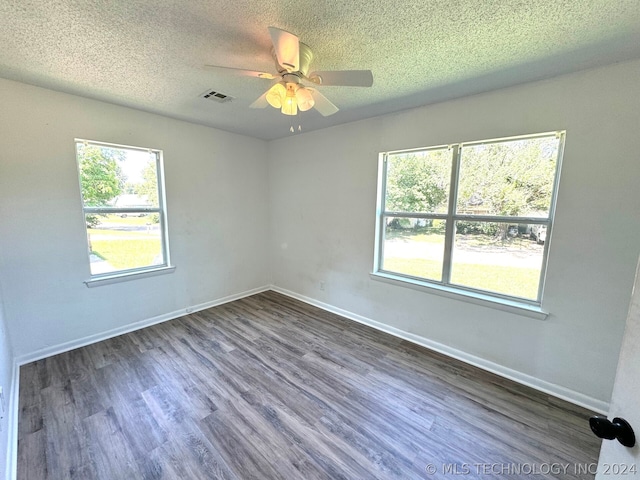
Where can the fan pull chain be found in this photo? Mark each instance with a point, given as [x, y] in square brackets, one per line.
[291, 129]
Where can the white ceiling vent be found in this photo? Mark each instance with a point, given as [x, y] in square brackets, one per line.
[216, 96]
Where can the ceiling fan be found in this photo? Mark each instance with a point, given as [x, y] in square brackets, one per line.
[295, 88]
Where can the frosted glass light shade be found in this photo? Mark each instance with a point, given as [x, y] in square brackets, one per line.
[305, 99]
[276, 95]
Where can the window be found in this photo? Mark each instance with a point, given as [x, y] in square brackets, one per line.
[123, 204]
[474, 218]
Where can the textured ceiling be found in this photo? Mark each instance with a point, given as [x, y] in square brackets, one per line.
[150, 54]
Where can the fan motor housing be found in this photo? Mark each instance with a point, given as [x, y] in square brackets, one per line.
[306, 57]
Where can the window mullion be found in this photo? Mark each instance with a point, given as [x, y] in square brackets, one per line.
[116, 210]
[435, 216]
[161, 205]
[450, 230]
[381, 210]
[552, 214]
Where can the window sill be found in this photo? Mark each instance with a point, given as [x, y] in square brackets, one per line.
[505, 305]
[125, 277]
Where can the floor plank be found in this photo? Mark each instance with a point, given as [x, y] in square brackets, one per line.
[268, 387]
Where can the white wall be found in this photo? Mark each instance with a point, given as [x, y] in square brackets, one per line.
[322, 203]
[6, 369]
[216, 201]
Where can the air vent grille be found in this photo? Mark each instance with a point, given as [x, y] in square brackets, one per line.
[216, 96]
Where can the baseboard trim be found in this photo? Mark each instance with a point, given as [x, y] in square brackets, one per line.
[558, 391]
[12, 424]
[98, 337]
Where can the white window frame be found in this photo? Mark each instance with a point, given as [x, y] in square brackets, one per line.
[140, 272]
[475, 295]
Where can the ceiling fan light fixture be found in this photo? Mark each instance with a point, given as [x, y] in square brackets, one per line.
[290, 103]
[276, 94]
[293, 60]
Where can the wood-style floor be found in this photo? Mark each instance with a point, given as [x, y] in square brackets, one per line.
[268, 387]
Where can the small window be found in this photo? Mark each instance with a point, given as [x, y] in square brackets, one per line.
[472, 217]
[123, 204]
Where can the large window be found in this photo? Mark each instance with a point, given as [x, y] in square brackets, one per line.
[123, 204]
[473, 218]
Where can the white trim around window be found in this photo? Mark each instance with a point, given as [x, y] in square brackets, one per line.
[124, 208]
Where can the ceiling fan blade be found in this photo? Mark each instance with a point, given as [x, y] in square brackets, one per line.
[344, 78]
[322, 103]
[243, 72]
[261, 102]
[287, 48]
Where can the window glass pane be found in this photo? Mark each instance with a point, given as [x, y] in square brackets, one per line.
[498, 257]
[414, 246]
[509, 178]
[118, 242]
[418, 181]
[117, 177]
